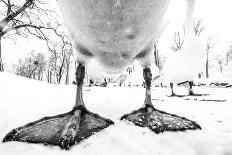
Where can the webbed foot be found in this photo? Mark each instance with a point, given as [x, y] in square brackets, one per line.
[62, 130]
[194, 94]
[159, 121]
[175, 95]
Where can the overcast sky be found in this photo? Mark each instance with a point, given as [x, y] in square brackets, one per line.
[217, 15]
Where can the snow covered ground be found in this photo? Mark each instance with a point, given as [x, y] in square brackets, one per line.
[23, 100]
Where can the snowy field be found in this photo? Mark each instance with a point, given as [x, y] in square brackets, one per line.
[23, 100]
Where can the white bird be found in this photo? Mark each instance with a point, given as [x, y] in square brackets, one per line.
[184, 65]
[107, 35]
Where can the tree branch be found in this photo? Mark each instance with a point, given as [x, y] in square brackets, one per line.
[12, 15]
[23, 26]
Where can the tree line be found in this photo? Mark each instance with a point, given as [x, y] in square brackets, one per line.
[26, 18]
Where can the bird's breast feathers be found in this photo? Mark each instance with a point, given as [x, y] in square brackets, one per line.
[113, 31]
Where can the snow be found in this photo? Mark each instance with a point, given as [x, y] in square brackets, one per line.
[23, 100]
[226, 74]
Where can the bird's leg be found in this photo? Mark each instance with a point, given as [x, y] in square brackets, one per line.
[191, 88]
[80, 75]
[173, 94]
[63, 130]
[156, 120]
[191, 93]
[148, 77]
[171, 86]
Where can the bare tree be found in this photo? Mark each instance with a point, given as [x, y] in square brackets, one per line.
[178, 40]
[24, 18]
[32, 66]
[229, 55]
[197, 26]
[210, 44]
[220, 60]
[60, 59]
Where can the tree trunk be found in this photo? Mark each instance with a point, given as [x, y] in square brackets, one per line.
[199, 75]
[207, 68]
[1, 63]
[50, 77]
[60, 71]
[220, 68]
[67, 74]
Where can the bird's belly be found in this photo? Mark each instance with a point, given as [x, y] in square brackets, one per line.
[184, 69]
[114, 62]
[113, 25]
[113, 31]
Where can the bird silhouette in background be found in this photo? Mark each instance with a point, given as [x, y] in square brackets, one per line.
[184, 65]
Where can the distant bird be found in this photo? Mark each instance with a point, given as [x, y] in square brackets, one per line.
[107, 35]
[184, 65]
